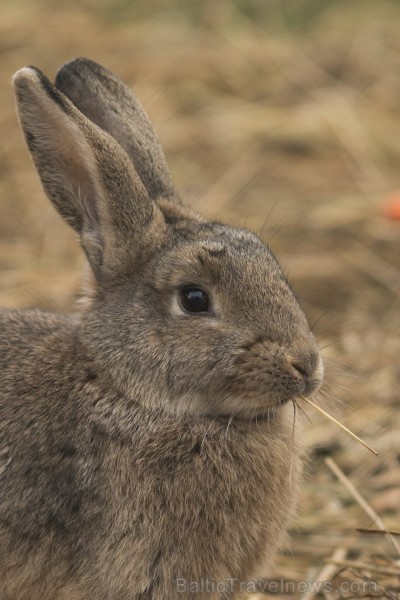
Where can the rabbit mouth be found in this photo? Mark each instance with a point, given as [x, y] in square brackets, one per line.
[311, 386]
[246, 397]
[248, 406]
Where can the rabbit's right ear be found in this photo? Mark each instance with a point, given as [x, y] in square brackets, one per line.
[109, 103]
[87, 176]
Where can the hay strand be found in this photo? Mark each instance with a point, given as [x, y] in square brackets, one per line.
[364, 566]
[353, 435]
[337, 471]
[377, 531]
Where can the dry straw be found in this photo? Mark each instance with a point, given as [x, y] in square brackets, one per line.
[353, 435]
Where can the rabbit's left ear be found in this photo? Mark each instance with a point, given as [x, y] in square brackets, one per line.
[87, 176]
[108, 102]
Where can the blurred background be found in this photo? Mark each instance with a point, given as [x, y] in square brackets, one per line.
[282, 116]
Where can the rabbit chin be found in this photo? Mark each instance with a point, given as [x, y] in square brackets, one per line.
[248, 406]
[245, 406]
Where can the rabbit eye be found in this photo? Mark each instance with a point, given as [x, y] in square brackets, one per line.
[194, 299]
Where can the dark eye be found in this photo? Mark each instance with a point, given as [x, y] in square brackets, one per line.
[194, 299]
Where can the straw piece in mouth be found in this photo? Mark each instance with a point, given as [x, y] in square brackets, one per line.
[353, 435]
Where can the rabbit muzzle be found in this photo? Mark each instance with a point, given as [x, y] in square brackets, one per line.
[268, 374]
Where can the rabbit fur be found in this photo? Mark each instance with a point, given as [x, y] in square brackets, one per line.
[144, 450]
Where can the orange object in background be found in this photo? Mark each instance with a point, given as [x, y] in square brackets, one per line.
[391, 207]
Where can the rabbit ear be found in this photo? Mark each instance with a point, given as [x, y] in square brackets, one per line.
[86, 174]
[109, 103]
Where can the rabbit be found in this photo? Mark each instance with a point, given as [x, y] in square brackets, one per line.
[148, 447]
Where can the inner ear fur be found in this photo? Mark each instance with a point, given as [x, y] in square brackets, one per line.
[86, 174]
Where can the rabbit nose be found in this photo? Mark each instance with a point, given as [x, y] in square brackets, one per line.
[308, 367]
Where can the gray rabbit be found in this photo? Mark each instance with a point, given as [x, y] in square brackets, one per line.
[148, 449]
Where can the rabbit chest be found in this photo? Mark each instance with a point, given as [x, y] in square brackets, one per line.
[191, 507]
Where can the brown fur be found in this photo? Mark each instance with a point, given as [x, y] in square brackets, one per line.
[141, 445]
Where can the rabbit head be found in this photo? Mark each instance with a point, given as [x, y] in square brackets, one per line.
[186, 315]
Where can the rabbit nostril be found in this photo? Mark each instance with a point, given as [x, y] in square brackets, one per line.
[301, 369]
